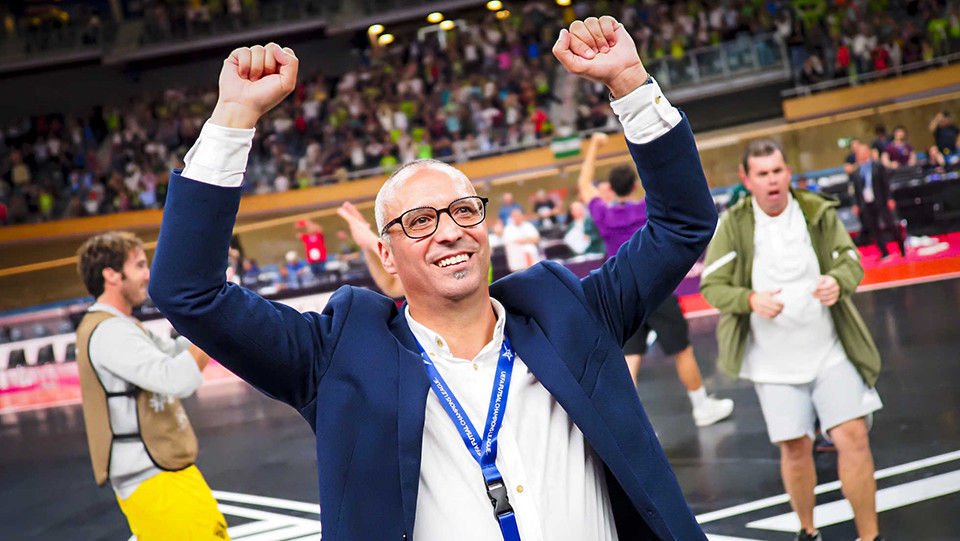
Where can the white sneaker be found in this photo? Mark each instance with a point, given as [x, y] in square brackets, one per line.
[712, 410]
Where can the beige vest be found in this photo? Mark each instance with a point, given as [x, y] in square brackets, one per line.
[166, 434]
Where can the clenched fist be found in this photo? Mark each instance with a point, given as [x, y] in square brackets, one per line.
[765, 304]
[253, 81]
[827, 290]
[601, 50]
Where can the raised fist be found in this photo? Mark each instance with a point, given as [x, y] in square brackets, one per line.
[601, 50]
[253, 81]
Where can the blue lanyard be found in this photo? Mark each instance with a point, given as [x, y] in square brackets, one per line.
[483, 447]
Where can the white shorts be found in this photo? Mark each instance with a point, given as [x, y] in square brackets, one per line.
[836, 396]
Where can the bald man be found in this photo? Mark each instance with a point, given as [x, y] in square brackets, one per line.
[473, 411]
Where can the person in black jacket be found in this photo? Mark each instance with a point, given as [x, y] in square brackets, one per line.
[874, 202]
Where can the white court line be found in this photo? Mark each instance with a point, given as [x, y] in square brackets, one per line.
[701, 313]
[250, 528]
[266, 501]
[256, 514]
[286, 534]
[826, 487]
[714, 537]
[893, 497]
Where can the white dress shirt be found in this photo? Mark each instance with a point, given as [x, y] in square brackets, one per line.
[123, 354]
[555, 481]
[798, 344]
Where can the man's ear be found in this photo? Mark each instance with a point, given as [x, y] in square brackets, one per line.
[111, 276]
[743, 176]
[385, 251]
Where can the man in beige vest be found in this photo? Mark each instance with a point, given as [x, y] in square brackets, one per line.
[139, 435]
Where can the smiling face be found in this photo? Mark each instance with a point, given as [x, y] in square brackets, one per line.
[450, 264]
[768, 179]
[132, 281]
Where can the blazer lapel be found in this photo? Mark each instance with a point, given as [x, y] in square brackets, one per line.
[546, 364]
[411, 405]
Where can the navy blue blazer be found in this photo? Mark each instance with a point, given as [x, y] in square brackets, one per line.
[354, 372]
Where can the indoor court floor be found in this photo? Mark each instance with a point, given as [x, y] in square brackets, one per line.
[258, 455]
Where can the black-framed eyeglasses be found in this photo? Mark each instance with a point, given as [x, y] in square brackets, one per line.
[423, 221]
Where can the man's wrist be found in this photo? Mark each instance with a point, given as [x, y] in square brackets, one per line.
[627, 81]
[232, 115]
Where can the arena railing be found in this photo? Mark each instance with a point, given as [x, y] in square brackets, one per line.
[744, 55]
[843, 82]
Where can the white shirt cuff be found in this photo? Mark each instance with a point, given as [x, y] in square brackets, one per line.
[219, 156]
[645, 113]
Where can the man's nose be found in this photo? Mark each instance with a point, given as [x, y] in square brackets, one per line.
[447, 229]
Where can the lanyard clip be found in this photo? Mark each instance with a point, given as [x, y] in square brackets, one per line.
[497, 492]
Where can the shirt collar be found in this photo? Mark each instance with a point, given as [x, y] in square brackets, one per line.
[762, 218]
[103, 307]
[436, 345]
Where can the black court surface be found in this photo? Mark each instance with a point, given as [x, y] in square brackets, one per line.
[258, 455]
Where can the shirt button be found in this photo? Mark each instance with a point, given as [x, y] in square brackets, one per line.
[519, 488]
[439, 342]
[475, 367]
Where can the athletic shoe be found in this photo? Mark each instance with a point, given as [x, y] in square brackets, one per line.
[802, 535]
[712, 410]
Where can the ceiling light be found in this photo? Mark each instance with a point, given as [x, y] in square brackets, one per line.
[563, 2]
[435, 17]
[494, 5]
[447, 25]
[375, 29]
[503, 14]
[385, 39]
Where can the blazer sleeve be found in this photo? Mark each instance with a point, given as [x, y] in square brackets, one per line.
[883, 180]
[856, 187]
[270, 345]
[681, 218]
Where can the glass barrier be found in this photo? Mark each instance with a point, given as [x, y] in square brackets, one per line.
[742, 56]
[855, 79]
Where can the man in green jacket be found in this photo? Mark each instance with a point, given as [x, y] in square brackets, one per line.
[781, 269]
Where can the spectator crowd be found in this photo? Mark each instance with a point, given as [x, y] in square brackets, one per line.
[487, 87]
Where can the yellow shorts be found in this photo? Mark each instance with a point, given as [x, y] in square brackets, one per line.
[174, 506]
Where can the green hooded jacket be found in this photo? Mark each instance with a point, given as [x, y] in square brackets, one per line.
[726, 280]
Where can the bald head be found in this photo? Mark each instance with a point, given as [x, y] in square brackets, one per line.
[391, 188]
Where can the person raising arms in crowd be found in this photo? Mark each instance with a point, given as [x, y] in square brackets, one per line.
[396, 395]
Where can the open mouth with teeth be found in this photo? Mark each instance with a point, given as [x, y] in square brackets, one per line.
[452, 261]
